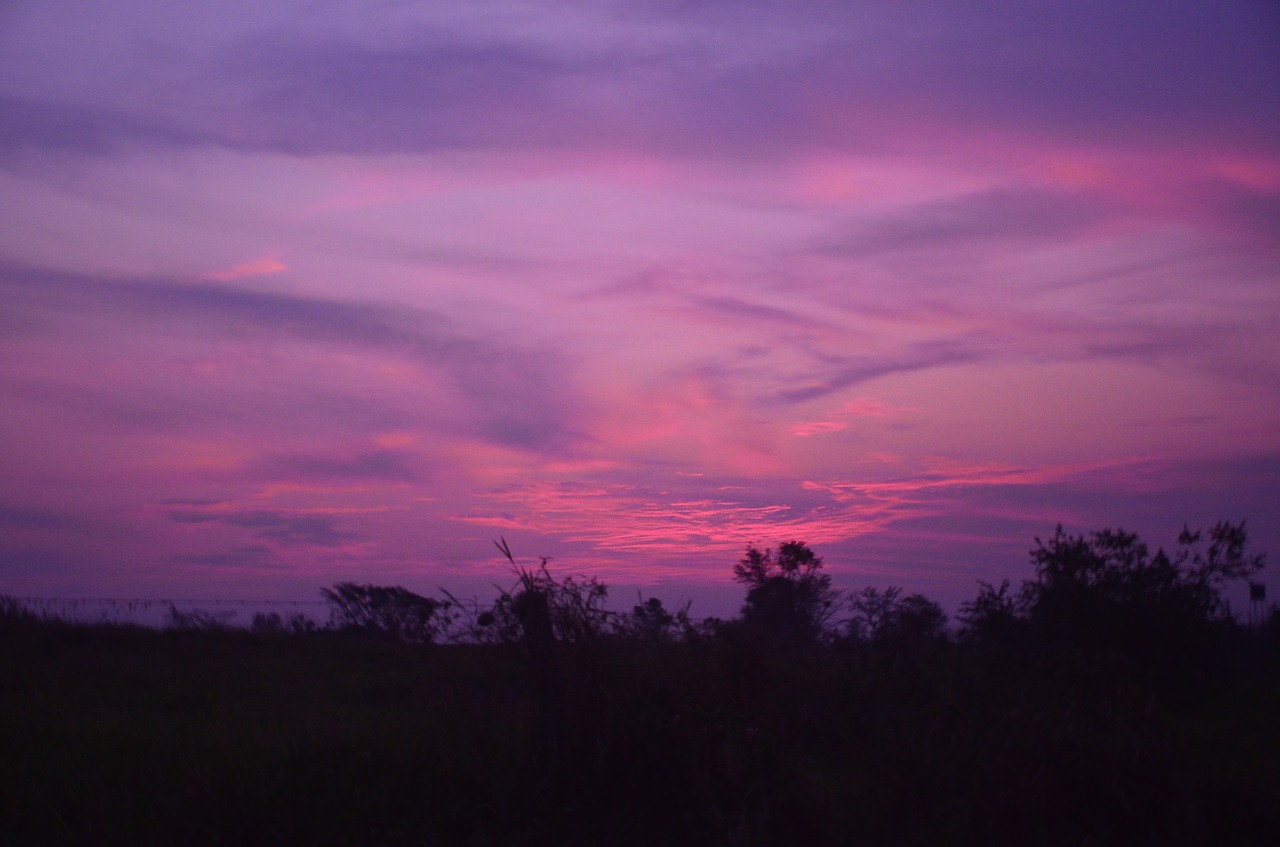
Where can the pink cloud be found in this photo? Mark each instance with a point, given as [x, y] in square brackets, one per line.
[811, 428]
[674, 521]
[257, 267]
[858, 407]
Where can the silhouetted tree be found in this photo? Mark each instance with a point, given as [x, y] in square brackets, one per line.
[916, 621]
[871, 609]
[650, 621]
[787, 597]
[1107, 591]
[993, 617]
[888, 618]
[1223, 562]
[391, 612]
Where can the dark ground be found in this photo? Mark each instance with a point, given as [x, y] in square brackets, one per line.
[113, 735]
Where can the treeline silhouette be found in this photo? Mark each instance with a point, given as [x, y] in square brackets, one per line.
[1110, 699]
[1100, 592]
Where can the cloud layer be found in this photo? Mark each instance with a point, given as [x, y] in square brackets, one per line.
[292, 298]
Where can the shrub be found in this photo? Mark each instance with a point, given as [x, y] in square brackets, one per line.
[197, 620]
[395, 612]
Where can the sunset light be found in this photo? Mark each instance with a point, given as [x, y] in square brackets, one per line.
[300, 293]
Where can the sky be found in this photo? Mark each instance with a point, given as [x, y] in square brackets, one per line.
[304, 292]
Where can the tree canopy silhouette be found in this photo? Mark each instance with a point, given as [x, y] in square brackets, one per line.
[787, 596]
[993, 617]
[1107, 590]
[886, 618]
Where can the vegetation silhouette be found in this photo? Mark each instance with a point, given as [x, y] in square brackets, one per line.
[993, 618]
[887, 619]
[273, 623]
[395, 613]
[788, 598]
[1106, 592]
[544, 717]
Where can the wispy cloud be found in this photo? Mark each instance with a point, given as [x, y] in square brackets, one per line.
[249, 556]
[284, 528]
[513, 395]
[375, 465]
[258, 267]
[847, 372]
[713, 81]
[19, 517]
[991, 218]
[700, 513]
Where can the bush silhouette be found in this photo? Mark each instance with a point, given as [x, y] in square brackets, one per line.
[787, 598]
[650, 622]
[994, 617]
[395, 613]
[886, 618]
[1107, 591]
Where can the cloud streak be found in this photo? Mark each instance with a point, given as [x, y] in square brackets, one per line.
[769, 79]
[513, 395]
[283, 528]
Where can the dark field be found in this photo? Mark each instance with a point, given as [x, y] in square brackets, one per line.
[117, 735]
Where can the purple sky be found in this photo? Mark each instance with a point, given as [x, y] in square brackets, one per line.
[300, 292]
